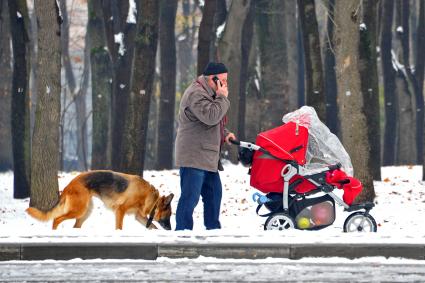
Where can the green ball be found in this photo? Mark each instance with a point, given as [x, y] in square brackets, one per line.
[303, 223]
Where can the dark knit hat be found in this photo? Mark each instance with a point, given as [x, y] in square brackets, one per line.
[214, 68]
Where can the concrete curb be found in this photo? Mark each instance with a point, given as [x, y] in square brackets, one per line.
[66, 251]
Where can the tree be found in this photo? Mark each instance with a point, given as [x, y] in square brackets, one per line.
[229, 52]
[388, 74]
[206, 30]
[45, 141]
[77, 95]
[101, 86]
[369, 83]
[6, 161]
[313, 59]
[420, 68]
[167, 43]
[273, 62]
[350, 98]
[19, 23]
[135, 131]
[329, 67]
[406, 150]
[184, 47]
[121, 32]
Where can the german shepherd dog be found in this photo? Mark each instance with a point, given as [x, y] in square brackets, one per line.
[120, 192]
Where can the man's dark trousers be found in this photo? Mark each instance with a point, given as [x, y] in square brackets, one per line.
[195, 183]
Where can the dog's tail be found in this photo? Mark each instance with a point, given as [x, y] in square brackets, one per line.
[47, 215]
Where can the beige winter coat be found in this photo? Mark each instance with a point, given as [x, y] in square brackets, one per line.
[198, 135]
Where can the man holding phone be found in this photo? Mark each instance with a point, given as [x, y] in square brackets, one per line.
[200, 135]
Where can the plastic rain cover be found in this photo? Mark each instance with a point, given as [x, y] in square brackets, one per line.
[324, 148]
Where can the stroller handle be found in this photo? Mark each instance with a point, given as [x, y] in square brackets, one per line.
[248, 145]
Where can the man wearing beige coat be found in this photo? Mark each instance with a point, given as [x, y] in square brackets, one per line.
[201, 132]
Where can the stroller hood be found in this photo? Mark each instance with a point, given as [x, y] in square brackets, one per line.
[324, 148]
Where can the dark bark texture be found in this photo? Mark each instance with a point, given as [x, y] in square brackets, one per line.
[315, 94]
[167, 97]
[19, 24]
[388, 73]
[6, 161]
[369, 83]
[206, 30]
[350, 98]
[45, 141]
[136, 123]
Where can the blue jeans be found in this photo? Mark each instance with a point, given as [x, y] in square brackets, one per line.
[195, 183]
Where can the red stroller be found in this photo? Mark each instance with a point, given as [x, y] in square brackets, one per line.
[291, 163]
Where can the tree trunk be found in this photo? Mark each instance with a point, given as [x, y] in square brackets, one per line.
[124, 33]
[388, 73]
[6, 161]
[101, 77]
[407, 143]
[45, 142]
[273, 61]
[350, 98]
[19, 24]
[247, 38]
[419, 70]
[229, 52]
[369, 83]
[419, 81]
[77, 96]
[135, 132]
[206, 30]
[167, 98]
[313, 59]
[330, 76]
[291, 31]
[184, 49]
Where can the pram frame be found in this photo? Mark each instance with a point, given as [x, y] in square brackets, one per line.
[291, 169]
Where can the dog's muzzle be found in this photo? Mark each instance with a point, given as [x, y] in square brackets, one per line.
[165, 224]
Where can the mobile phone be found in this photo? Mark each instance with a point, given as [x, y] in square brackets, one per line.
[215, 79]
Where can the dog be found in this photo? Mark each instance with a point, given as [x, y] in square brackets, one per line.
[120, 192]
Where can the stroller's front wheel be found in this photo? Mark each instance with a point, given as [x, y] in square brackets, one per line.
[279, 221]
[360, 222]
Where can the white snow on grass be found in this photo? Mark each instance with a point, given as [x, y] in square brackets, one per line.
[119, 39]
[399, 213]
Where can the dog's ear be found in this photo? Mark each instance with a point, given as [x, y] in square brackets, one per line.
[168, 199]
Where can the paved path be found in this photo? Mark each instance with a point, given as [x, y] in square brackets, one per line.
[166, 270]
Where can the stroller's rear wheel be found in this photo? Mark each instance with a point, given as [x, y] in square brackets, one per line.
[279, 221]
[360, 222]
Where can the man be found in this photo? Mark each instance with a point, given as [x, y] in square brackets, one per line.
[201, 132]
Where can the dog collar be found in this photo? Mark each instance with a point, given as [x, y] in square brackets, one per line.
[151, 215]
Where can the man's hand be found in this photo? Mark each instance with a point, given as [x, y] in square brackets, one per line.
[222, 89]
[230, 136]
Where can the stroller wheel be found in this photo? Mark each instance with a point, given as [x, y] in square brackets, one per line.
[359, 222]
[279, 221]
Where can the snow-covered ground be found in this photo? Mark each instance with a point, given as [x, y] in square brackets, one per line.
[399, 213]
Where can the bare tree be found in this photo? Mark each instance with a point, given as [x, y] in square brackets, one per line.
[273, 62]
[45, 141]
[388, 74]
[77, 94]
[19, 24]
[369, 83]
[420, 67]
[329, 67]
[167, 98]
[350, 98]
[135, 131]
[313, 59]
[206, 30]
[185, 47]
[6, 161]
[229, 52]
[101, 86]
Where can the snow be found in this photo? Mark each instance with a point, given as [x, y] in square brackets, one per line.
[119, 39]
[220, 30]
[399, 29]
[132, 12]
[18, 15]
[363, 26]
[399, 213]
[348, 93]
[47, 89]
